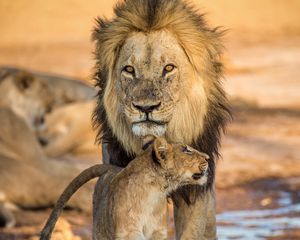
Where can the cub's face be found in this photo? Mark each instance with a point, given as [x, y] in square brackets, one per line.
[182, 163]
[190, 165]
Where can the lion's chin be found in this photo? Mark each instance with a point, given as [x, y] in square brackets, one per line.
[144, 129]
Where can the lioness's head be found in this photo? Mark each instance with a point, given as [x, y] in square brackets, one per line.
[181, 164]
[159, 71]
[26, 96]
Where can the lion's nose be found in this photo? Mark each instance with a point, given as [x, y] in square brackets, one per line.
[147, 108]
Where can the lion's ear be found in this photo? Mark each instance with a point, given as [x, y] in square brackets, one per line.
[24, 80]
[161, 150]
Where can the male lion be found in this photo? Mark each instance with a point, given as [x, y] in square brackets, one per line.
[130, 204]
[159, 73]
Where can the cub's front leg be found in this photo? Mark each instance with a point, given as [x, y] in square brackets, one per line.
[160, 219]
[196, 221]
[161, 235]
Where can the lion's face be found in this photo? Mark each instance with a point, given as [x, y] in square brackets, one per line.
[148, 81]
[156, 89]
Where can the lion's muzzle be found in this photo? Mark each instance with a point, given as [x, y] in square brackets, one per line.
[146, 108]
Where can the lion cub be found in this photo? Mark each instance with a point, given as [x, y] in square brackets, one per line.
[132, 202]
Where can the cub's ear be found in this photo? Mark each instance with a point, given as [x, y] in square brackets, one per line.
[24, 80]
[161, 150]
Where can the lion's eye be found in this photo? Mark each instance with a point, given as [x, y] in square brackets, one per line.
[169, 68]
[128, 69]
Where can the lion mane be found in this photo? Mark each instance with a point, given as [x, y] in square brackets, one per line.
[203, 48]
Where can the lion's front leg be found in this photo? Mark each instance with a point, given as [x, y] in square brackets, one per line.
[196, 221]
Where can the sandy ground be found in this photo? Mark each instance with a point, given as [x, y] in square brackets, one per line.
[260, 164]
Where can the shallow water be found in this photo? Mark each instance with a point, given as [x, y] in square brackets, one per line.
[260, 224]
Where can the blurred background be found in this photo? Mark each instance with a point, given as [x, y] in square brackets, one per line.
[258, 176]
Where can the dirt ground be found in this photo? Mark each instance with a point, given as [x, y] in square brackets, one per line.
[258, 176]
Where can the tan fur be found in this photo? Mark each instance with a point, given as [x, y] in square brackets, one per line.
[181, 109]
[69, 129]
[130, 203]
[63, 89]
[30, 96]
[25, 172]
[27, 177]
[176, 39]
[191, 105]
[27, 97]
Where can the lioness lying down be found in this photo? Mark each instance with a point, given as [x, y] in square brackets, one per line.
[25, 172]
[132, 202]
[63, 89]
[69, 129]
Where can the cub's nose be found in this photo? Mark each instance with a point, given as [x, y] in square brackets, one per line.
[146, 108]
[202, 171]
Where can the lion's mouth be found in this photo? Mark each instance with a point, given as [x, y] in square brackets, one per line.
[150, 122]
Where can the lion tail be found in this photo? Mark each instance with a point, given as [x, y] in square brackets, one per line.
[85, 176]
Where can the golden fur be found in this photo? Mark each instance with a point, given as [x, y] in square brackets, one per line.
[27, 97]
[68, 129]
[27, 177]
[136, 193]
[63, 89]
[201, 47]
[159, 72]
[25, 171]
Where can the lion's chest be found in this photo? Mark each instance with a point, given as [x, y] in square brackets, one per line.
[144, 209]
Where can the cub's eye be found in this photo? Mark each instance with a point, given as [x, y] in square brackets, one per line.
[169, 68]
[129, 69]
[186, 149]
